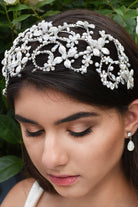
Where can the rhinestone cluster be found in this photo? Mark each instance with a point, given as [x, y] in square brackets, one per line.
[45, 33]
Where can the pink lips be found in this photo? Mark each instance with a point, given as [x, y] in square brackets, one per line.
[63, 180]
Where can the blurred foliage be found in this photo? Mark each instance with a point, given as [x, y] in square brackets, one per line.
[16, 17]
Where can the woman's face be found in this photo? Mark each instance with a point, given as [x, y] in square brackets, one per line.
[77, 147]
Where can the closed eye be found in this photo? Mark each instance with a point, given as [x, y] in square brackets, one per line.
[80, 134]
[34, 134]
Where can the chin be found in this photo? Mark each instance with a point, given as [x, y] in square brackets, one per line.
[70, 191]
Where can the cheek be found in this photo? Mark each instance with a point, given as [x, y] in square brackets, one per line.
[34, 149]
[112, 144]
[110, 152]
[104, 150]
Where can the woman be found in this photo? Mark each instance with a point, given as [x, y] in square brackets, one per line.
[73, 83]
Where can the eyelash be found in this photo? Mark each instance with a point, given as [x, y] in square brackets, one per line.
[81, 134]
[74, 134]
[34, 134]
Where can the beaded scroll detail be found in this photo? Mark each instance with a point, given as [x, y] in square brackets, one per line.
[45, 33]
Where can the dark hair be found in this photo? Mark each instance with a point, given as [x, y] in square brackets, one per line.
[86, 88]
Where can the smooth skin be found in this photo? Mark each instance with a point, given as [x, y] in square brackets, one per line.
[67, 137]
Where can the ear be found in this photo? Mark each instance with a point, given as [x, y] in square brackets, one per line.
[131, 118]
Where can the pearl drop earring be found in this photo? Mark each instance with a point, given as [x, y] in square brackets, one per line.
[130, 145]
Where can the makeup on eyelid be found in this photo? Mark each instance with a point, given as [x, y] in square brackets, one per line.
[72, 133]
[81, 125]
[82, 133]
[77, 128]
[33, 134]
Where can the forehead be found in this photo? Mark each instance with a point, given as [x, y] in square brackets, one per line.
[31, 92]
[29, 97]
[33, 102]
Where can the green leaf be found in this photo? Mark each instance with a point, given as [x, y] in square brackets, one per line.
[43, 3]
[19, 7]
[121, 11]
[9, 166]
[118, 19]
[132, 13]
[9, 130]
[105, 11]
[50, 13]
[21, 18]
[130, 25]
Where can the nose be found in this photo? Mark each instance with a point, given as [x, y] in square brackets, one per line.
[54, 152]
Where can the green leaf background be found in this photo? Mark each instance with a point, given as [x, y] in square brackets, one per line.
[9, 130]
[9, 166]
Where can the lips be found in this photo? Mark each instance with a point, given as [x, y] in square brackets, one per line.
[63, 180]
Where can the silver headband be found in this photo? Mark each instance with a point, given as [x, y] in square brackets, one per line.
[45, 33]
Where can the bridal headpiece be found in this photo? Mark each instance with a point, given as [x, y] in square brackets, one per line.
[64, 43]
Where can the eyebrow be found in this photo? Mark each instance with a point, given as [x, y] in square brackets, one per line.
[24, 120]
[70, 118]
[76, 116]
